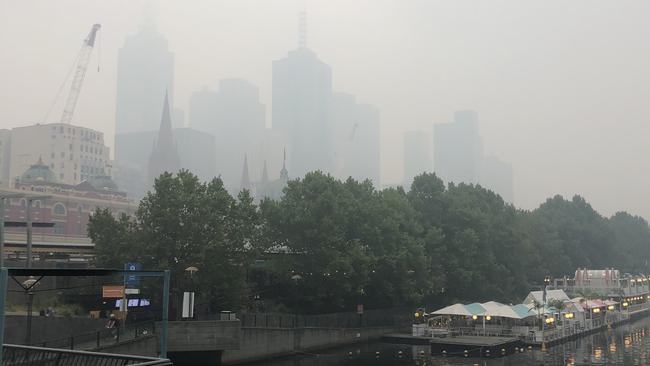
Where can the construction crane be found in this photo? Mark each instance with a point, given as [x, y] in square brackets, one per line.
[77, 81]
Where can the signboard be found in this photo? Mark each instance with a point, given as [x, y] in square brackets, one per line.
[360, 309]
[112, 291]
[132, 280]
[188, 304]
[132, 291]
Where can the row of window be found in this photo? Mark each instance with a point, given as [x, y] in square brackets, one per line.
[73, 131]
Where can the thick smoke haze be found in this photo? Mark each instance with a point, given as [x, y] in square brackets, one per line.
[561, 87]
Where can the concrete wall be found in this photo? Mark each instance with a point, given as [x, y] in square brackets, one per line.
[263, 343]
[48, 328]
[210, 335]
[141, 346]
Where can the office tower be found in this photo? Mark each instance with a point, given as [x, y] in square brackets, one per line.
[302, 91]
[498, 176]
[145, 70]
[355, 138]
[417, 156]
[458, 150]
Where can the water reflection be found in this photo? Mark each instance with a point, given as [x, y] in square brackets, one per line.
[625, 345]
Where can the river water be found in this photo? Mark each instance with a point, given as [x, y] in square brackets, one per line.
[625, 345]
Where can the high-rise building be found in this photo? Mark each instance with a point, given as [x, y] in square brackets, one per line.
[498, 176]
[164, 157]
[417, 155]
[458, 156]
[5, 157]
[145, 70]
[74, 154]
[302, 91]
[236, 118]
[458, 150]
[355, 138]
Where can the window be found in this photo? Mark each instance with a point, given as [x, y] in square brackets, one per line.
[61, 129]
[61, 176]
[70, 147]
[81, 147]
[75, 176]
[58, 209]
[71, 156]
[62, 154]
[62, 165]
[36, 203]
[53, 155]
[59, 229]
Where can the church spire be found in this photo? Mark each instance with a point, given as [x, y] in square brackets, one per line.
[265, 174]
[284, 174]
[164, 157]
[245, 179]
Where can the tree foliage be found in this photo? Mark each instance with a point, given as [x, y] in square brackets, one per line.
[328, 245]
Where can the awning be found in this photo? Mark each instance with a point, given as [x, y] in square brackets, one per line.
[456, 309]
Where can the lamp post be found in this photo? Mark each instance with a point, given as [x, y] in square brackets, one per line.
[28, 284]
[188, 297]
[295, 278]
[547, 281]
[28, 216]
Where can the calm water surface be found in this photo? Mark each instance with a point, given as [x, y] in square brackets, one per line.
[625, 345]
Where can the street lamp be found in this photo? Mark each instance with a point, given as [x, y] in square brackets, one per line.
[28, 284]
[28, 216]
[296, 277]
[188, 296]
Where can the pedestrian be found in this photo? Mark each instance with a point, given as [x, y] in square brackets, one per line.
[113, 324]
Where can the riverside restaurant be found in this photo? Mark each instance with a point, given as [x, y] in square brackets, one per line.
[534, 321]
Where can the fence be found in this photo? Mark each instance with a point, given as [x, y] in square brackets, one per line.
[371, 318]
[104, 337]
[14, 355]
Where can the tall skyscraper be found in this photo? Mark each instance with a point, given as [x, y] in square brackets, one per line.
[236, 118]
[302, 90]
[458, 150]
[355, 138]
[164, 157]
[145, 69]
[498, 176]
[417, 155]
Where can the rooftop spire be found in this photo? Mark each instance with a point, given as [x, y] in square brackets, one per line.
[302, 30]
[245, 179]
[265, 174]
[284, 174]
[165, 137]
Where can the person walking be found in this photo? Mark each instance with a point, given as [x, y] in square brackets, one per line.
[113, 323]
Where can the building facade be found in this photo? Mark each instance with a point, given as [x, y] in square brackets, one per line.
[68, 207]
[73, 153]
[458, 149]
[145, 70]
[302, 92]
[236, 118]
[417, 156]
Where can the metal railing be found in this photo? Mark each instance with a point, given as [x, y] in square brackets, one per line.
[102, 338]
[16, 355]
[370, 318]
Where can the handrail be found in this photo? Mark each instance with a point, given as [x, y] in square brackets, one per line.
[14, 354]
[96, 339]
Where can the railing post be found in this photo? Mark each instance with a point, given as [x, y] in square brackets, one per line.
[165, 316]
[97, 339]
[71, 342]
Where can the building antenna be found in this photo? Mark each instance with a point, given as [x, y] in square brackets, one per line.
[302, 30]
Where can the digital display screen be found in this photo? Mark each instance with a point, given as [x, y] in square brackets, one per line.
[133, 303]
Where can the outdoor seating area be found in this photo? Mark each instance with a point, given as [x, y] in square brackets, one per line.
[539, 318]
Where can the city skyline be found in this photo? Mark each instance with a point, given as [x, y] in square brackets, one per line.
[563, 105]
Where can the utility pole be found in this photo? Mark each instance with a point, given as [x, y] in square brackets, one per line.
[28, 215]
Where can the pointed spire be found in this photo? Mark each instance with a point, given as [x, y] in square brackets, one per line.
[245, 179]
[302, 30]
[265, 174]
[165, 137]
[164, 157]
[284, 174]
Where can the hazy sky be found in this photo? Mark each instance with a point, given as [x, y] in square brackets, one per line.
[562, 88]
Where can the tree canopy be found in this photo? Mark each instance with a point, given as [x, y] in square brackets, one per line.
[328, 244]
